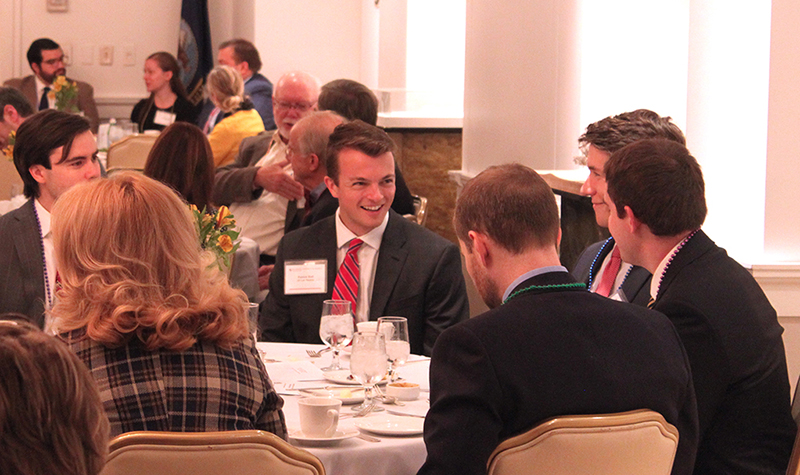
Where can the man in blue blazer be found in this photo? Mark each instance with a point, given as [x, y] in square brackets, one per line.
[403, 269]
[547, 347]
[656, 195]
[243, 55]
[601, 139]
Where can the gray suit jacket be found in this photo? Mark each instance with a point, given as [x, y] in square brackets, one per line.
[233, 183]
[21, 266]
[418, 276]
[27, 86]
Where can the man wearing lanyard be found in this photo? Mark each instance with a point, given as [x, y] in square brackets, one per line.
[365, 253]
[547, 347]
[599, 266]
[656, 195]
[46, 59]
[53, 152]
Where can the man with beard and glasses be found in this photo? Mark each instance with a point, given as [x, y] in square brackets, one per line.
[47, 62]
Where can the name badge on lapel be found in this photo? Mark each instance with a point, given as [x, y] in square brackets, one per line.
[305, 277]
[164, 118]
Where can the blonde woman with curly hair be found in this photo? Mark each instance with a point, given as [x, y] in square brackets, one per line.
[51, 417]
[165, 336]
[240, 120]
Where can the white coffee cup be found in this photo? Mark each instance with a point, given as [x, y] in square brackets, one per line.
[319, 416]
[367, 326]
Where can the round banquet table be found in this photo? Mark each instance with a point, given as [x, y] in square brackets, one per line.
[288, 365]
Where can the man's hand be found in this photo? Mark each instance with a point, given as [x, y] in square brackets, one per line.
[273, 179]
[263, 276]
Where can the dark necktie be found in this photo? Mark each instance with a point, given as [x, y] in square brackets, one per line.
[44, 103]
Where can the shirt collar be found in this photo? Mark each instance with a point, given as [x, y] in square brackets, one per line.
[44, 217]
[317, 192]
[372, 238]
[528, 275]
[658, 275]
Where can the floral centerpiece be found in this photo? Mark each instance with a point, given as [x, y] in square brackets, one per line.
[65, 94]
[8, 151]
[217, 233]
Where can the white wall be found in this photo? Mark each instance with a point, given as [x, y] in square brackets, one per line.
[318, 36]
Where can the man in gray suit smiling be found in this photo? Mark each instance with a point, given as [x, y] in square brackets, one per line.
[395, 267]
[53, 152]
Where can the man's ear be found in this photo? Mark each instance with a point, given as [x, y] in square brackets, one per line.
[332, 186]
[313, 162]
[632, 221]
[36, 69]
[37, 172]
[481, 247]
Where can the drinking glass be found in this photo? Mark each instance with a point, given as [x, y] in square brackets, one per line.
[336, 328]
[368, 362]
[395, 330]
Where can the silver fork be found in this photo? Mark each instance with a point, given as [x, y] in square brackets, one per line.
[317, 354]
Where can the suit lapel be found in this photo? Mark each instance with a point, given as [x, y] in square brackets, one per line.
[27, 244]
[391, 259]
[598, 260]
[695, 247]
[326, 241]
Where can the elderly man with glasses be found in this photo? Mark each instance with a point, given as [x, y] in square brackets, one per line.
[257, 186]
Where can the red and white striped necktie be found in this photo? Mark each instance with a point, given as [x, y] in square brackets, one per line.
[346, 285]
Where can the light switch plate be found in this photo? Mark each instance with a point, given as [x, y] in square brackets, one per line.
[106, 55]
[57, 6]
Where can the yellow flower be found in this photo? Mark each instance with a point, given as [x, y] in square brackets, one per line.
[225, 243]
[194, 209]
[206, 219]
[222, 217]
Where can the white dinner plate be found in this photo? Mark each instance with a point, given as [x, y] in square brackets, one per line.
[346, 395]
[337, 436]
[388, 424]
[343, 376]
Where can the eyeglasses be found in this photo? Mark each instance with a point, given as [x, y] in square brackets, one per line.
[54, 61]
[298, 106]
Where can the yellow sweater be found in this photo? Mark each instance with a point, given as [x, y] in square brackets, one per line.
[229, 132]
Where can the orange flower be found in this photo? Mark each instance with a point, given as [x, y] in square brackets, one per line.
[222, 217]
[225, 243]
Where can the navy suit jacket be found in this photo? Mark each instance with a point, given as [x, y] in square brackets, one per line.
[546, 353]
[21, 264]
[733, 339]
[418, 276]
[259, 88]
[636, 285]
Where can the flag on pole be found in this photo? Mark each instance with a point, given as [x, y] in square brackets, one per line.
[195, 53]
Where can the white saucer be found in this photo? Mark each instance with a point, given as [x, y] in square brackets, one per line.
[336, 437]
[388, 424]
[346, 395]
[343, 376]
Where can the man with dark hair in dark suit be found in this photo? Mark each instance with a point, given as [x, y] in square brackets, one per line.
[656, 195]
[46, 60]
[53, 151]
[401, 268]
[599, 266]
[547, 347]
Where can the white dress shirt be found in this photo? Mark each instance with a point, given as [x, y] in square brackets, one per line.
[367, 261]
[263, 219]
[49, 258]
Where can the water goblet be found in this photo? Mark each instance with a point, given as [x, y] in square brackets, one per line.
[336, 328]
[368, 363]
[395, 330]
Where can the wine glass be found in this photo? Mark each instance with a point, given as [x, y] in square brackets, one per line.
[395, 330]
[336, 328]
[368, 363]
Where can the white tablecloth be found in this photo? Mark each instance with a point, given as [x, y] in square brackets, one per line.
[391, 456]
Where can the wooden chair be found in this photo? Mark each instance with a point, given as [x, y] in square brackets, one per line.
[420, 210]
[245, 452]
[130, 153]
[9, 178]
[640, 442]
